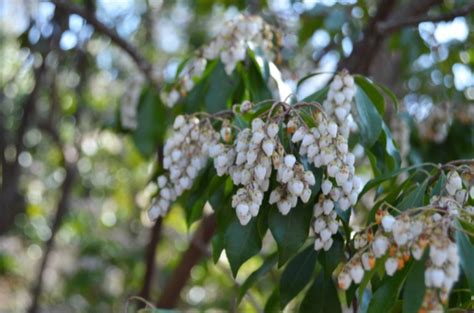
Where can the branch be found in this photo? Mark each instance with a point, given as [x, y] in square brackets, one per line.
[394, 25]
[136, 56]
[155, 234]
[190, 258]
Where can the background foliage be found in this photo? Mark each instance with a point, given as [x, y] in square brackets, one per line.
[72, 173]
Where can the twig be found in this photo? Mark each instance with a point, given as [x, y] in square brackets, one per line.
[170, 295]
[136, 56]
[396, 24]
[155, 234]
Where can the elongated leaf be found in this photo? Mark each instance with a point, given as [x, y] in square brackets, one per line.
[256, 275]
[466, 254]
[372, 92]
[152, 122]
[273, 303]
[321, 297]
[297, 274]
[241, 243]
[378, 180]
[468, 227]
[414, 290]
[415, 198]
[290, 231]
[387, 294]
[438, 187]
[255, 82]
[330, 259]
[367, 118]
[390, 94]
[220, 88]
[318, 96]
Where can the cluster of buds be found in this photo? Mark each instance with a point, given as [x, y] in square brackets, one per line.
[185, 154]
[338, 104]
[408, 235]
[294, 182]
[128, 108]
[192, 71]
[232, 43]
[325, 146]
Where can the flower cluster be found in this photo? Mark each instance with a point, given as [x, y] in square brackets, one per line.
[408, 235]
[338, 104]
[193, 70]
[232, 43]
[230, 47]
[325, 146]
[185, 153]
[436, 125]
[249, 163]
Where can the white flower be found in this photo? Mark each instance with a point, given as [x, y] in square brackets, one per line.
[328, 206]
[272, 130]
[268, 147]
[318, 244]
[290, 160]
[344, 280]
[328, 244]
[274, 197]
[319, 225]
[357, 273]
[437, 277]
[391, 266]
[260, 172]
[438, 256]
[298, 135]
[296, 187]
[326, 186]
[344, 203]
[387, 222]
[178, 122]
[325, 234]
[365, 258]
[332, 129]
[284, 207]
[380, 246]
[162, 180]
[417, 252]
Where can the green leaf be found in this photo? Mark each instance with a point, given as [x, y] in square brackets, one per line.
[318, 96]
[152, 122]
[390, 94]
[220, 89]
[378, 180]
[241, 243]
[414, 290]
[372, 92]
[415, 198]
[273, 303]
[466, 254]
[290, 231]
[297, 274]
[468, 227]
[438, 187]
[387, 294]
[321, 297]
[367, 118]
[330, 259]
[255, 82]
[257, 274]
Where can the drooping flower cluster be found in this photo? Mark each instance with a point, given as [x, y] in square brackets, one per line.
[338, 104]
[325, 147]
[232, 43]
[192, 70]
[410, 234]
[185, 153]
[230, 46]
[249, 163]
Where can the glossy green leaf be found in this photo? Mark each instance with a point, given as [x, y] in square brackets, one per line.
[372, 92]
[152, 122]
[290, 231]
[367, 118]
[414, 289]
[466, 254]
[330, 259]
[241, 243]
[321, 297]
[318, 96]
[297, 274]
[219, 89]
[415, 198]
[438, 187]
[273, 303]
[256, 275]
[387, 294]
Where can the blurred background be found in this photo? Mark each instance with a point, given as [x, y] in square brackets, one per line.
[74, 232]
